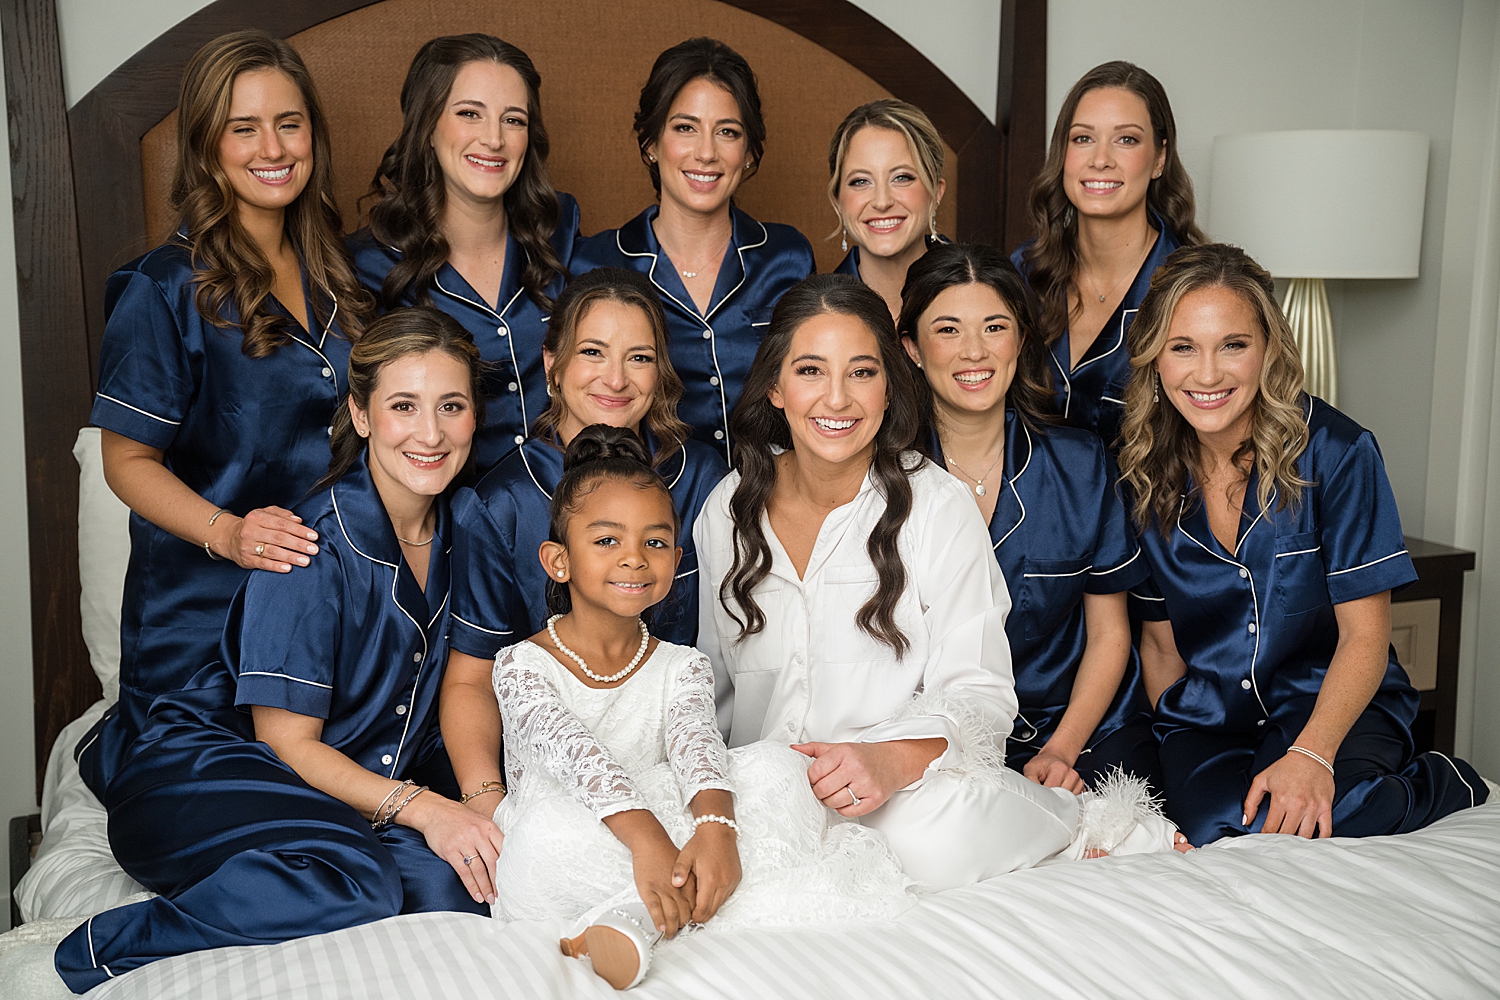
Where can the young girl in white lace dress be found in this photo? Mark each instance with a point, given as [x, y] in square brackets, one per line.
[625, 810]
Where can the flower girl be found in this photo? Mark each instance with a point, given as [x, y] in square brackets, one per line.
[625, 810]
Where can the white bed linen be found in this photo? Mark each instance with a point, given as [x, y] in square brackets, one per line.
[1410, 916]
[74, 873]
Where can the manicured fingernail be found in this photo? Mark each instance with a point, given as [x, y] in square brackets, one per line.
[1245, 819]
[312, 550]
[302, 560]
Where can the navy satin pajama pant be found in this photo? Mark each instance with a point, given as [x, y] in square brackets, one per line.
[1132, 748]
[1379, 788]
[243, 852]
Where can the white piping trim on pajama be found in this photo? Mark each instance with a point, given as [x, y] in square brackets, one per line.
[121, 402]
[1351, 569]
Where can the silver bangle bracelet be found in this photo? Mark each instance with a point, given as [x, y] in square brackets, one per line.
[375, 820]
[1308, 753]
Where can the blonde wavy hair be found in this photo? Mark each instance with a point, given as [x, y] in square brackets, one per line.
[909, 121]
[1160, 447]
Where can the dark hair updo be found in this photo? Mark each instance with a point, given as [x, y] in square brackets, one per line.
[698, 59]
[597, 454]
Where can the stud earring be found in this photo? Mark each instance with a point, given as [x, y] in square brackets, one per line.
[650, 158]
[559, 574]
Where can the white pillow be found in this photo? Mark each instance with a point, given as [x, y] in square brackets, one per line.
[103, 554]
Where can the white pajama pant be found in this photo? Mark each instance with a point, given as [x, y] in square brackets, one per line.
[952, 830]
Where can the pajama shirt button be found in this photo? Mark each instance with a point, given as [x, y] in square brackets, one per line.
[718, 435]
[501, 331]
[327, 372]
[386, 759]
[416, 657]
[512, 387]
[1245, 685]
[1244, 573]
[707, 334]
[520, 439]
[1252, 628]
[713, 380]
[1262, 722]
[400, 709]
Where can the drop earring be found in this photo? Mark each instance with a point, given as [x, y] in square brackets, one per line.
[1156, 389]
[845, 244]
[932, 221]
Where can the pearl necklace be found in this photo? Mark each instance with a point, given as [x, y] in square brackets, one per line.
[635, 660]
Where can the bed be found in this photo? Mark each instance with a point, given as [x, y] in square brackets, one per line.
[1411, 916]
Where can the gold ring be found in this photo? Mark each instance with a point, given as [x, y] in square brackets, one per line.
[260, 549]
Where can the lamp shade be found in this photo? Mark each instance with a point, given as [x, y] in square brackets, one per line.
[1322, 204]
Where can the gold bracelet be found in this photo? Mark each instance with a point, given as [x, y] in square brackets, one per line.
[485, 787]
[212, 518]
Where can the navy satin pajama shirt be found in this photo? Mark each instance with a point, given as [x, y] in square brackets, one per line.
[711, 351]
[509, 332]
[241, 849]
[241, 432]
[499, 585]
[1257, 630]
[1092, 395]
[1059, 532]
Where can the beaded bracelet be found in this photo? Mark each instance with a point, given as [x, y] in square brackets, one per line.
[485, 787]
[1309, 753]
[715, 818]
[375, 821]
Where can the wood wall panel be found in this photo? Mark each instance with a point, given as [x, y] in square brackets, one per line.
[55, 361]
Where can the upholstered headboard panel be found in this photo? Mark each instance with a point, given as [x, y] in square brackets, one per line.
[816, 60]
[593, 59]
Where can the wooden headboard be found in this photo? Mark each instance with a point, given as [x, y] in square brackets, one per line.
[90, 182]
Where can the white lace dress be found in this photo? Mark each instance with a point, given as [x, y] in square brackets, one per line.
[575, 755]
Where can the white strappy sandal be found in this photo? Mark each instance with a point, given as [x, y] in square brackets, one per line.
[618, 942]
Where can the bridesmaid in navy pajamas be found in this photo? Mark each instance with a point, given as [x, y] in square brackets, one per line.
[1274, 545]
[1058, 528]
[885, 180]
[222, 365]
[466, 220]
[718, 271]
[1111, 203]
[279, 794]
[607, 363]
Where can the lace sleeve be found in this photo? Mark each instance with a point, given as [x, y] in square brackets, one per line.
[694, 745]
[549, 735]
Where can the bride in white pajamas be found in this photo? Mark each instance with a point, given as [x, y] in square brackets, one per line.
[851, 608]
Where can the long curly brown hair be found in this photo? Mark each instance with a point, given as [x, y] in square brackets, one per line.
[408, 193]
[1051, 261]
[1161, 448]
[228, 266]
[758, 426]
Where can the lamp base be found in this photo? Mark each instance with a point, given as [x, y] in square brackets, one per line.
[1306, 308]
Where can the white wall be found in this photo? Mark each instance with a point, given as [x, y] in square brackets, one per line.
[1428, 67]
[17, 772]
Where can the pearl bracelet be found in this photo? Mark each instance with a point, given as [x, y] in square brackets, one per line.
[1309, 753]
[715, 818]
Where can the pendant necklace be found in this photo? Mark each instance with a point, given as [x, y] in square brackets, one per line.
[1132, 271]
[979, 489]
[639, 653]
